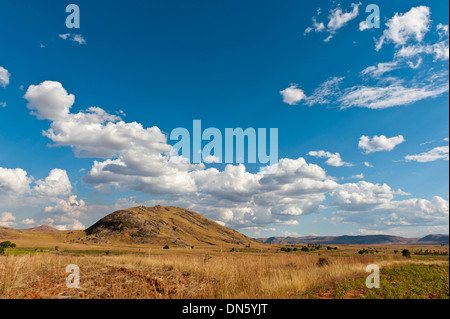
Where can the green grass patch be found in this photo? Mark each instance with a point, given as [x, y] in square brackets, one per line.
[414, 281]
[92, 252]
[27, 251]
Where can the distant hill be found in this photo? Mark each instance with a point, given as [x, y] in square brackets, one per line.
[437, 239]
[359, 240]
[163, 225]
[8, 232]
[42, 228]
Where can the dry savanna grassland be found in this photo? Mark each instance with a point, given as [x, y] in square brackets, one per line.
[111, 268]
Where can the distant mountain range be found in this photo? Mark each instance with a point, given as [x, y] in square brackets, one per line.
[358, 240]
[179, 227]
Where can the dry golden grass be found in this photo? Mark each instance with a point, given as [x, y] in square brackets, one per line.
[178, 274]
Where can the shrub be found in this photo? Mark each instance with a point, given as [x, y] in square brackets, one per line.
[2, 251]
[166, 247]
[406, 253]
[323, 262]
[305, 249]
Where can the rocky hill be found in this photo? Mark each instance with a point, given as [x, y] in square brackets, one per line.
[169, 225]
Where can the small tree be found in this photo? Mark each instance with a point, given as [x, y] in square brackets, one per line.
[166, 247]
[406, 253]
[4, 245]
[7, 244]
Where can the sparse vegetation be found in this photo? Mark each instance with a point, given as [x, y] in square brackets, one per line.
[224, 264]
[430, 252]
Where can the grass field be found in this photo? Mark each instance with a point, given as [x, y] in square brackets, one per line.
[140, 271]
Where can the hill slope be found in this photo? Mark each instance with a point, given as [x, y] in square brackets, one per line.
[163, 225]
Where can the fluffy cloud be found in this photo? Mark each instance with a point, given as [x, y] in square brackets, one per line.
[375, 207]
[135, 157]
[18, 189]
[49, 100]
[402, 28]
[362, 196]
[14, 181]
[7, 220]
[333, 159]
[379, 143]
[405, 213]
[57, 184]
[129, 157]
[436, 153]
[65, 213]
[139, 159]
[4, 77]
[293, 95]
[243, 199]
[28, 222]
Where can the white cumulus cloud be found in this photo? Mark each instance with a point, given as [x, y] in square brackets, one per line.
[7, 220]
[4, 77]
[293, 95]
[379, 143]
[402, 28]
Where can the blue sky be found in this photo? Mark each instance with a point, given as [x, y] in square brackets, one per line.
[362, 114]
